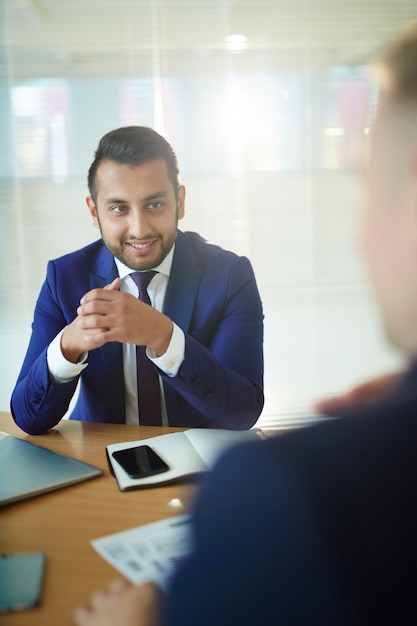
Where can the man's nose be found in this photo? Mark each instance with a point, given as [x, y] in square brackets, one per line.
[139, 226]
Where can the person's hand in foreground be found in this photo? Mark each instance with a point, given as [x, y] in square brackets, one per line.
[121, 604]
[359, 395]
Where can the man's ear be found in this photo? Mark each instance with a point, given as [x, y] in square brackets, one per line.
[181, 202]
[93, 211]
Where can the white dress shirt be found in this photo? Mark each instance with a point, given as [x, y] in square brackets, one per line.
[62, 370]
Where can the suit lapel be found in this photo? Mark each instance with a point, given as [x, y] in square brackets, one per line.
[106, 270]
[111, 353]
[183, 284]
[180, 299]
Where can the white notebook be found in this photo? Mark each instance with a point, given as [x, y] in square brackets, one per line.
[28, 470]
[186, 453]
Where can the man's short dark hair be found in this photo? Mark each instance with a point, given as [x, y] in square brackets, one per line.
[133, 145]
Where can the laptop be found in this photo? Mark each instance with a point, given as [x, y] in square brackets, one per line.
[28, 470]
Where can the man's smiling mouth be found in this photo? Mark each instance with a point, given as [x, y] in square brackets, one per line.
[141, 246]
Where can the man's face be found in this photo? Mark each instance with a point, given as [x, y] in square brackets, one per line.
[389, 229]
[137, 211]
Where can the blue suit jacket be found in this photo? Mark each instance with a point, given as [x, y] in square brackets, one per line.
[212, 295]
[318, 527]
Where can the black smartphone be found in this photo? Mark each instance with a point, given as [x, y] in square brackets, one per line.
[140, 461]
[21, 577]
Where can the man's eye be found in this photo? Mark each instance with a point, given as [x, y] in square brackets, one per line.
[118, 209]
[155, 205]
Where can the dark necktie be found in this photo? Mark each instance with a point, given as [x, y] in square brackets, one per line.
[149, 393]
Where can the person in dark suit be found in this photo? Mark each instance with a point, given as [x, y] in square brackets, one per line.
[203, 334]
[318, 526]
[312, 528]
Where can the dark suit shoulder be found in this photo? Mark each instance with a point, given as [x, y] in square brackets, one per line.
[90, 251]
[370, 441]
[359, 473]
[205, 251]
[94, 260]
[348, 486]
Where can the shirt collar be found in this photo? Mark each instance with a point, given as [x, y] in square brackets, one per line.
[162, 268]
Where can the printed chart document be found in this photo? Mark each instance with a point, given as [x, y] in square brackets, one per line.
[186, 453]
[148, 553]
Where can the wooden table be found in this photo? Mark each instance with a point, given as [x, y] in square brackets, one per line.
[62, 523]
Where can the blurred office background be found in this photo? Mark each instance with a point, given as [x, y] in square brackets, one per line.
[268, 105]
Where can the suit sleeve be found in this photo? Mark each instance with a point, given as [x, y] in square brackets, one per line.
[37, 404]
[222, 373]
[260, 553]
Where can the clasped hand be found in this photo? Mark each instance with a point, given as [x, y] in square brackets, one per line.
[111, 315]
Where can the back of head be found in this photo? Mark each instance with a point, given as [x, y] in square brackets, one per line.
[396, 68]
[389, 235]
[133, 145]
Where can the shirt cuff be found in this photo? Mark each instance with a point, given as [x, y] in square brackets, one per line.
[171, 361]
[61, 370]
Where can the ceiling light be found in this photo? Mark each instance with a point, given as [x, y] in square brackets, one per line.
[237, 43]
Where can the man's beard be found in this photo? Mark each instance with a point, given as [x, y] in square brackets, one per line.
[138, 263]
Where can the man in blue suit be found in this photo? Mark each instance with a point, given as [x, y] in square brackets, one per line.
[318, 527]
[203, 333]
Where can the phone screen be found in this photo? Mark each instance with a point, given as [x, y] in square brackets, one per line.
[21, 577]
[140, 461]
